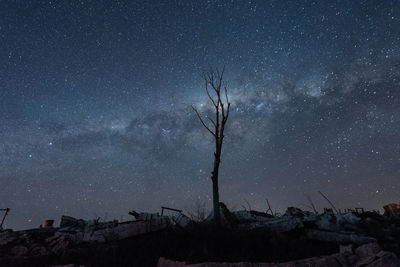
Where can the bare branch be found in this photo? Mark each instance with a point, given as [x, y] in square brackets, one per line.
[334, 208]
[226, 94]
[248, 204]
[312, 204]
[209, 96]
[269, 207]
[202, 122]
[213, 122]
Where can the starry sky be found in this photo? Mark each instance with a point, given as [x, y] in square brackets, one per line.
[95, 96]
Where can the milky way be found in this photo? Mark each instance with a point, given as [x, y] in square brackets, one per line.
[95, 116]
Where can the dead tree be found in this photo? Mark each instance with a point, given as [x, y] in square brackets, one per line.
[214, 82]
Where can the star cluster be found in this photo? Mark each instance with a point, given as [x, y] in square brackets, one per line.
[95, 96]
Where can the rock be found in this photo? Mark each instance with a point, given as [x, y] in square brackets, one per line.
[260, 214]
[181, 219]
[162, 262]
[305, 216]
[278, 225]
[60, 245]
[385, 259]
[327, 221]
[146, 216]
[370, 259]
[348, 218]
[366, 261]
[367, 249]
[244, 216]
[338, 237]
[346, 248]
[68, 265]
[293, 211]
[8, 237]
[19, 251]
[38, 250]
[68, 221]
[127, 229]
[50, 239]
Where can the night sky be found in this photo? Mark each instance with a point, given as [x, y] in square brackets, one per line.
[95, 116]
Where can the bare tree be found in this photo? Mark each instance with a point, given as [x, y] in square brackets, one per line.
[214, 82]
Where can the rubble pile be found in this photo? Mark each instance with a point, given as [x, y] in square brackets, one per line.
[367, 232]
[367, 255]
[57, 241]
[328, 226]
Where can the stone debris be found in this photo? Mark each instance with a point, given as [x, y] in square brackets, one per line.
[338, 237]
[279, 225]
[392, 209]
[181, 220]
[68, 265]
[54, 241]
[8, 237]
[19, 251]
[93, 231]
[349, 230]
[368, 255]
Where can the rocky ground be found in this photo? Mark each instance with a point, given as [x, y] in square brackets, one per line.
[297, 238]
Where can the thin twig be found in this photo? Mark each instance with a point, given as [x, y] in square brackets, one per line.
[312, 204]
[248, 204]
[328, 201]
[269, 207]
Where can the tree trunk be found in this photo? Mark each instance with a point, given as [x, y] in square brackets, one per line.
[215, 81]
[214, 178]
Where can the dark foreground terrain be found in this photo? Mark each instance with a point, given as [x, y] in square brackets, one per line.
[246, 236]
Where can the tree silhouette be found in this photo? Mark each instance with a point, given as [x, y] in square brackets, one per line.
[214, 82]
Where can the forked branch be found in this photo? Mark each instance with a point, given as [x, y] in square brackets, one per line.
[202, 122]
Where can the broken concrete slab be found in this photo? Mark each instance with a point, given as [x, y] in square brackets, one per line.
[126, 230]
[278, 225]
[68, 221]
[181, 220]
[371, 257]
[338, 237]
[245, 216]
[68, 265]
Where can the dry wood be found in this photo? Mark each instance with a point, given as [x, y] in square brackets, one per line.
[214, 82]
